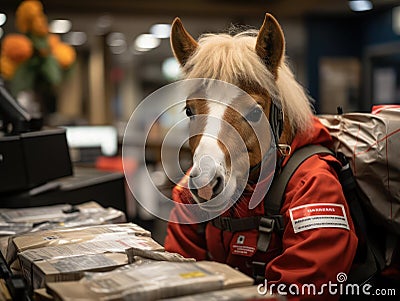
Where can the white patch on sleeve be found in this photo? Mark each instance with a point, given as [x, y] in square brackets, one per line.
[320, 215]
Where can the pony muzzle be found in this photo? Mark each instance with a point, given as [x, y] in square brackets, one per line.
[204, 188]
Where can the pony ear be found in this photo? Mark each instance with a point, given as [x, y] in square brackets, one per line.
[270, 45]
[182, 43]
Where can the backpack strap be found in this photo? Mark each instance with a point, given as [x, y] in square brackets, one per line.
[274, 198]
[273, 220]
[227, 223]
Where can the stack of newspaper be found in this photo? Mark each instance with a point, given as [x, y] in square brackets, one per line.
[87, 252]
[17, 221]
[151, 280]
[14, 221]
[65, 236]
[65, 254]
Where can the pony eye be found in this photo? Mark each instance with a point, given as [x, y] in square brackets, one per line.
[189, 112]
[254, 115]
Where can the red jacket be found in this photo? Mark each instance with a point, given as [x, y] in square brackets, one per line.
[314, 256]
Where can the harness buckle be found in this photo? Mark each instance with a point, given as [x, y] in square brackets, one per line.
[279, 222]
[259, 271]
[266, 224]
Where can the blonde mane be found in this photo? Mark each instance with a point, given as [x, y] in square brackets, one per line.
[233, 59]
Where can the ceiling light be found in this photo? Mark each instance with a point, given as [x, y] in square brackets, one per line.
[161, 31]
[146, 41]
[60, 26]
[76, 38]
[120, 49]
[115, 39]
[3, 19]
[117, 42]
[171, 69]
[360, 5]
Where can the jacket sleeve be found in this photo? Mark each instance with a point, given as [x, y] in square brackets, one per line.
[185, 239]
[315, 256]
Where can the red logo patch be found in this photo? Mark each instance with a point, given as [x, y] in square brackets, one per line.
[244, 244]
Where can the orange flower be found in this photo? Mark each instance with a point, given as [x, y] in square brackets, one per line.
[17, 47]
[26, 12]
[7, 67]
[39, 26]
[53, 40]
[64, 54]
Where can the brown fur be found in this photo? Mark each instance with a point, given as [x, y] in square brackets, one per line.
[270, 45]
[183, 45]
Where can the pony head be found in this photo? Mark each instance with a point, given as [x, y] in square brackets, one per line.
[255, 63]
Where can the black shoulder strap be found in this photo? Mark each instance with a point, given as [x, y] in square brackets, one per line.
[274, 197]
[273, 220]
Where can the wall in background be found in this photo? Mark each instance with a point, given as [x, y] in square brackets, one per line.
[355, 36]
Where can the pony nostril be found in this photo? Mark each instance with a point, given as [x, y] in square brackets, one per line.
[194, 173]
[217, 189]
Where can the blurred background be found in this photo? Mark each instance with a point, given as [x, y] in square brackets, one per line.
[345, 53]
[341, 56]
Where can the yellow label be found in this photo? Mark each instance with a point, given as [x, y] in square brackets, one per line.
[195, 274]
